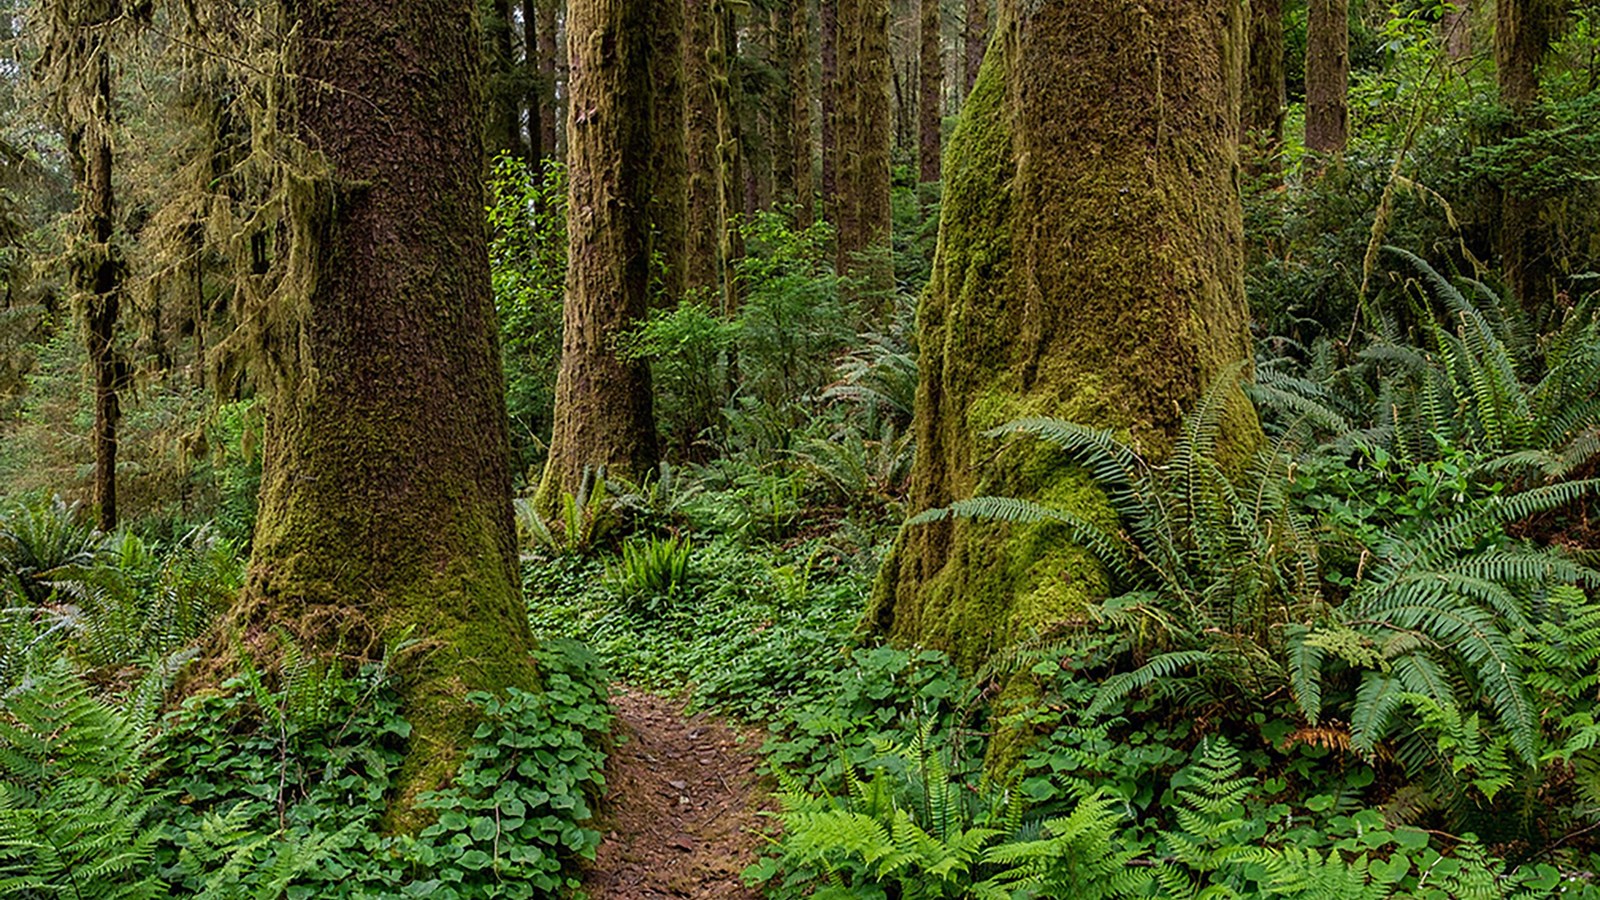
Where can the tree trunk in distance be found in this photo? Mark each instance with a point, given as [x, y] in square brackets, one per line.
[726, 92]
[103, 297]
[505, 101]
[1456, 28]
[1327, 76]
[704, 240]
[799, 75]
[669, 205]
[551, 123]
[1104, 288]
[604, 413]
[864, 139]
[975, 38]
[930, 110]
[786, 44]
[386, 499]
[829, 31]
[1524, 30]
[1266, 94]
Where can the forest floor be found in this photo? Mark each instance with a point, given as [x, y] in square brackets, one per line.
[681, 816]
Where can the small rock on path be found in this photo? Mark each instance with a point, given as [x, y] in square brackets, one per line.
[681, 813]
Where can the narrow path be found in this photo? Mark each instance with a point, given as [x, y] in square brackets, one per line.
[680, 814]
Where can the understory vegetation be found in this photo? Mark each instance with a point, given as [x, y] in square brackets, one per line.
[1357, 659]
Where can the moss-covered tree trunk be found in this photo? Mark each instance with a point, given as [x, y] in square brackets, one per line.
[727, 94]
[1524, 30]
[704, 239]
[798, 72]
[930, 110]
[862, 131]
[1327, 76]
[386, 495]
[975, 40]
[1265, 94]
[604, 412]
[1089, 267]
[669, 204]
[828, 38]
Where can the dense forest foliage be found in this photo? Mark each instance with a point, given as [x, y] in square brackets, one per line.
[1081, 448]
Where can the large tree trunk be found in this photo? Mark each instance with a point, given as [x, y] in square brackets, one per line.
[1106, 288]
[1524, 30]
[1265, 94]
[975, 38]
[1327, 76]
[930, 110]
[604, 414]
[386, 498]
[669, 206]
[864, 139]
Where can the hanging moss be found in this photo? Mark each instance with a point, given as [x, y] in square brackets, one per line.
[1090, 267]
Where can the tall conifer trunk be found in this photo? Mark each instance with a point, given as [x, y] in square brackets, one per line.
[829, 40]
[386, 499]
[975, 40]
[103, 297]
[799, 76]
[1265, 95]
[930, 109]
[1327, 76]
[669, 206]
[1524, 30]
[604, 414]
[1106, 288]
[551, 123]
[863, 136]
[704, 157]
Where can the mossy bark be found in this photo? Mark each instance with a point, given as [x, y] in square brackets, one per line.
[551, 122]
[1265, 94]
[798, 72]
[386, 495]
[669, 202]
[604, 412]
[828, 31]
[930, 112]
[100, 282]
[1327, 76]
[1089, 267]
[862, 112]
[1524, 30]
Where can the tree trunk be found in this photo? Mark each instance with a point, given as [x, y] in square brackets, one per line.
[975, 37]
[103, 297]
[726, 92]
[1327, 76]
[603, 412]
[505, 97]
[864, 140]
[1524, 30]
[1456, 28]
[386, 495]
[799, 78]
[1106, 288]
[829, 38]
[781, 106]
[669, 206]
[1265, 95]
[534, 77]
[551, 121]
[930, 110]
[704, 240]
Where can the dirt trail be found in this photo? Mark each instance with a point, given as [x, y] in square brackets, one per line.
[680, 816]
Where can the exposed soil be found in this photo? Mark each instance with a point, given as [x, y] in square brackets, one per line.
[680, 816]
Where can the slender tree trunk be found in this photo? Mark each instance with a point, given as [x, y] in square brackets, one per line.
[1456, 28]
[1265, 95]
[930, 110]
[669, 207]
[1104, 287]
[552, 121]
[863, 108]
[505, 100]
[103, 305]
[727, 93]
[829, 31]
[704, 240]
[386, 499]
[1327, 76]
[799, 78]
[975, 38]
[603, 414]
[781, 106]
[534, 76]
[1524, 30]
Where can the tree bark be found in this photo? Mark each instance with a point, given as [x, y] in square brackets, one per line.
[704, 241]
[603, 412]
[103, 297]
[505, 96]
[862, 113]
[799, 76]
[829, 39]
[1456, 28]
[1265, 95]
[1327, 76]
[669, 206]
[726, 94]
[1524, 30]
[930, 109]
[552, 123]
[1106, 288]
[386, 495]
[975, 38]
[533, 74]
[786, 44]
